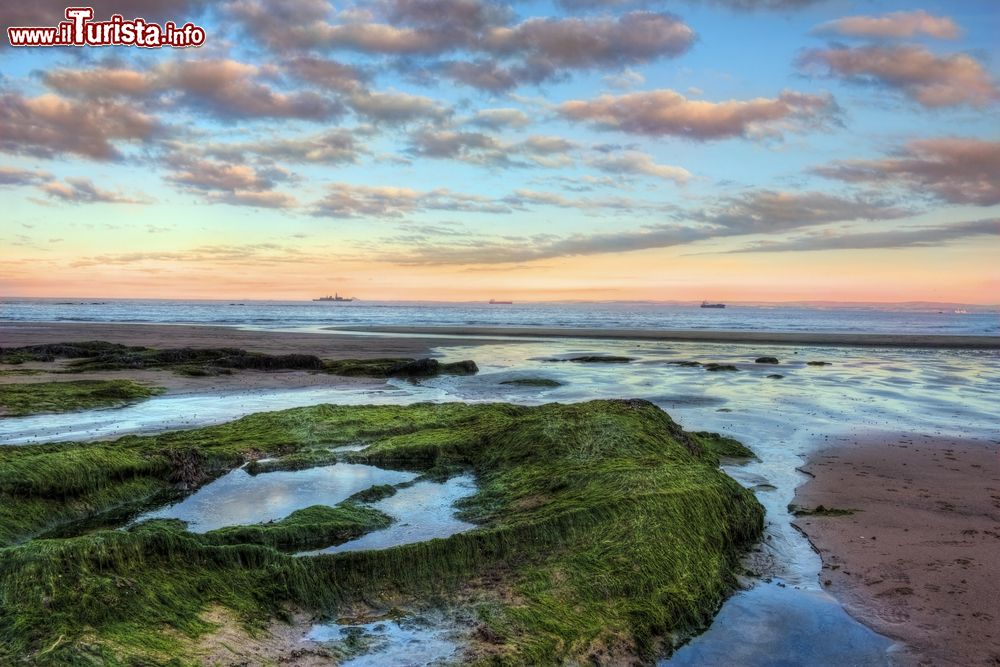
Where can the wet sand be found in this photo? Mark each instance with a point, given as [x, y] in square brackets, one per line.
[180, 335]
[706, 336]
[918, 561]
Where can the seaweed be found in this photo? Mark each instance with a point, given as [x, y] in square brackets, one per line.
[608, 524]
[31, 398]
[207, 362]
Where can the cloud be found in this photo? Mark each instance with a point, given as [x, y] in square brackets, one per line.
[524, 197]
[496, 119]
[16, 176]
[395, 108]
[83, 191]
[349, 201]
[268, 199]
[955, 170]
[325, 73]
[246, 254]
[919, 237]
[666, 112]
[634, 162]
[625, 79]
[892, 25]
[930, 80]
[336, 146]
[288, 25]
[635, 37]
[479, 251]
[770, 211]
[229, 89]
[741, 5]
[224, 88]
[224, 182]
[487, 74]
[49, 126]
[755, 212]
[484, 149]
[101, 82]
[497, 54]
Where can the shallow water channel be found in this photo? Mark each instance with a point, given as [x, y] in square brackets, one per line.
[786, 618]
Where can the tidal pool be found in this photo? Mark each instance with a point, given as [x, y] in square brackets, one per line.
[238, 498]
[774, 626]
[420, 512]
[405, 642]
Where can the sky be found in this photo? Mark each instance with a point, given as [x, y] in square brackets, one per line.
[735, 150]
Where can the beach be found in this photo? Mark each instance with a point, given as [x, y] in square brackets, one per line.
[833, 389]
[916, 559]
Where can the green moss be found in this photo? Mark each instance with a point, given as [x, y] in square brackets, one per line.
[533, 382]
[39, 397]
[374, 493]
[720, 445]
[609, 524]
[308, 458]
[314, 527]
[19, 372]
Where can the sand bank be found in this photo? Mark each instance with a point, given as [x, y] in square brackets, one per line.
[704, 336]
[181, 335]
[918, 560]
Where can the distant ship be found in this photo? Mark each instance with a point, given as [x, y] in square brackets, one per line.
[494, 302]
[706, 304]
[335, 297]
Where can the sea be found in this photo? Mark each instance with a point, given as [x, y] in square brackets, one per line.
[916, 319]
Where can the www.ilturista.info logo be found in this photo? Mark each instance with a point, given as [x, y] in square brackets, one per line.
[79, 30]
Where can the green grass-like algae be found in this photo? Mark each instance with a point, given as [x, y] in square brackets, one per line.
[605, 523]
[29, 398]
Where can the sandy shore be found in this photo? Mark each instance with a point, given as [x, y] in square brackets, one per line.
[920, 559]
[328, 346]
[705, 336]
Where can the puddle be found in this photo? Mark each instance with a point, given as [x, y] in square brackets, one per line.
[404, 642]
[772, 626]
[238, 498]
[185, 411]
[423, 511]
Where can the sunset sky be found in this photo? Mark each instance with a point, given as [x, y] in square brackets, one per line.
[759, 150]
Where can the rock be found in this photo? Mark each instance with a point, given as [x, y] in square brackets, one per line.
[720, 367]
[775, 376]
[598, 359]
[464, 367]
[766, 360]
[416, 368]
[818, 363]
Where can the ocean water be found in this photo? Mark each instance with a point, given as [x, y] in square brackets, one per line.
[309, 315]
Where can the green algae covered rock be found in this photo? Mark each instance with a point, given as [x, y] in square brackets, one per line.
[602, 528]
